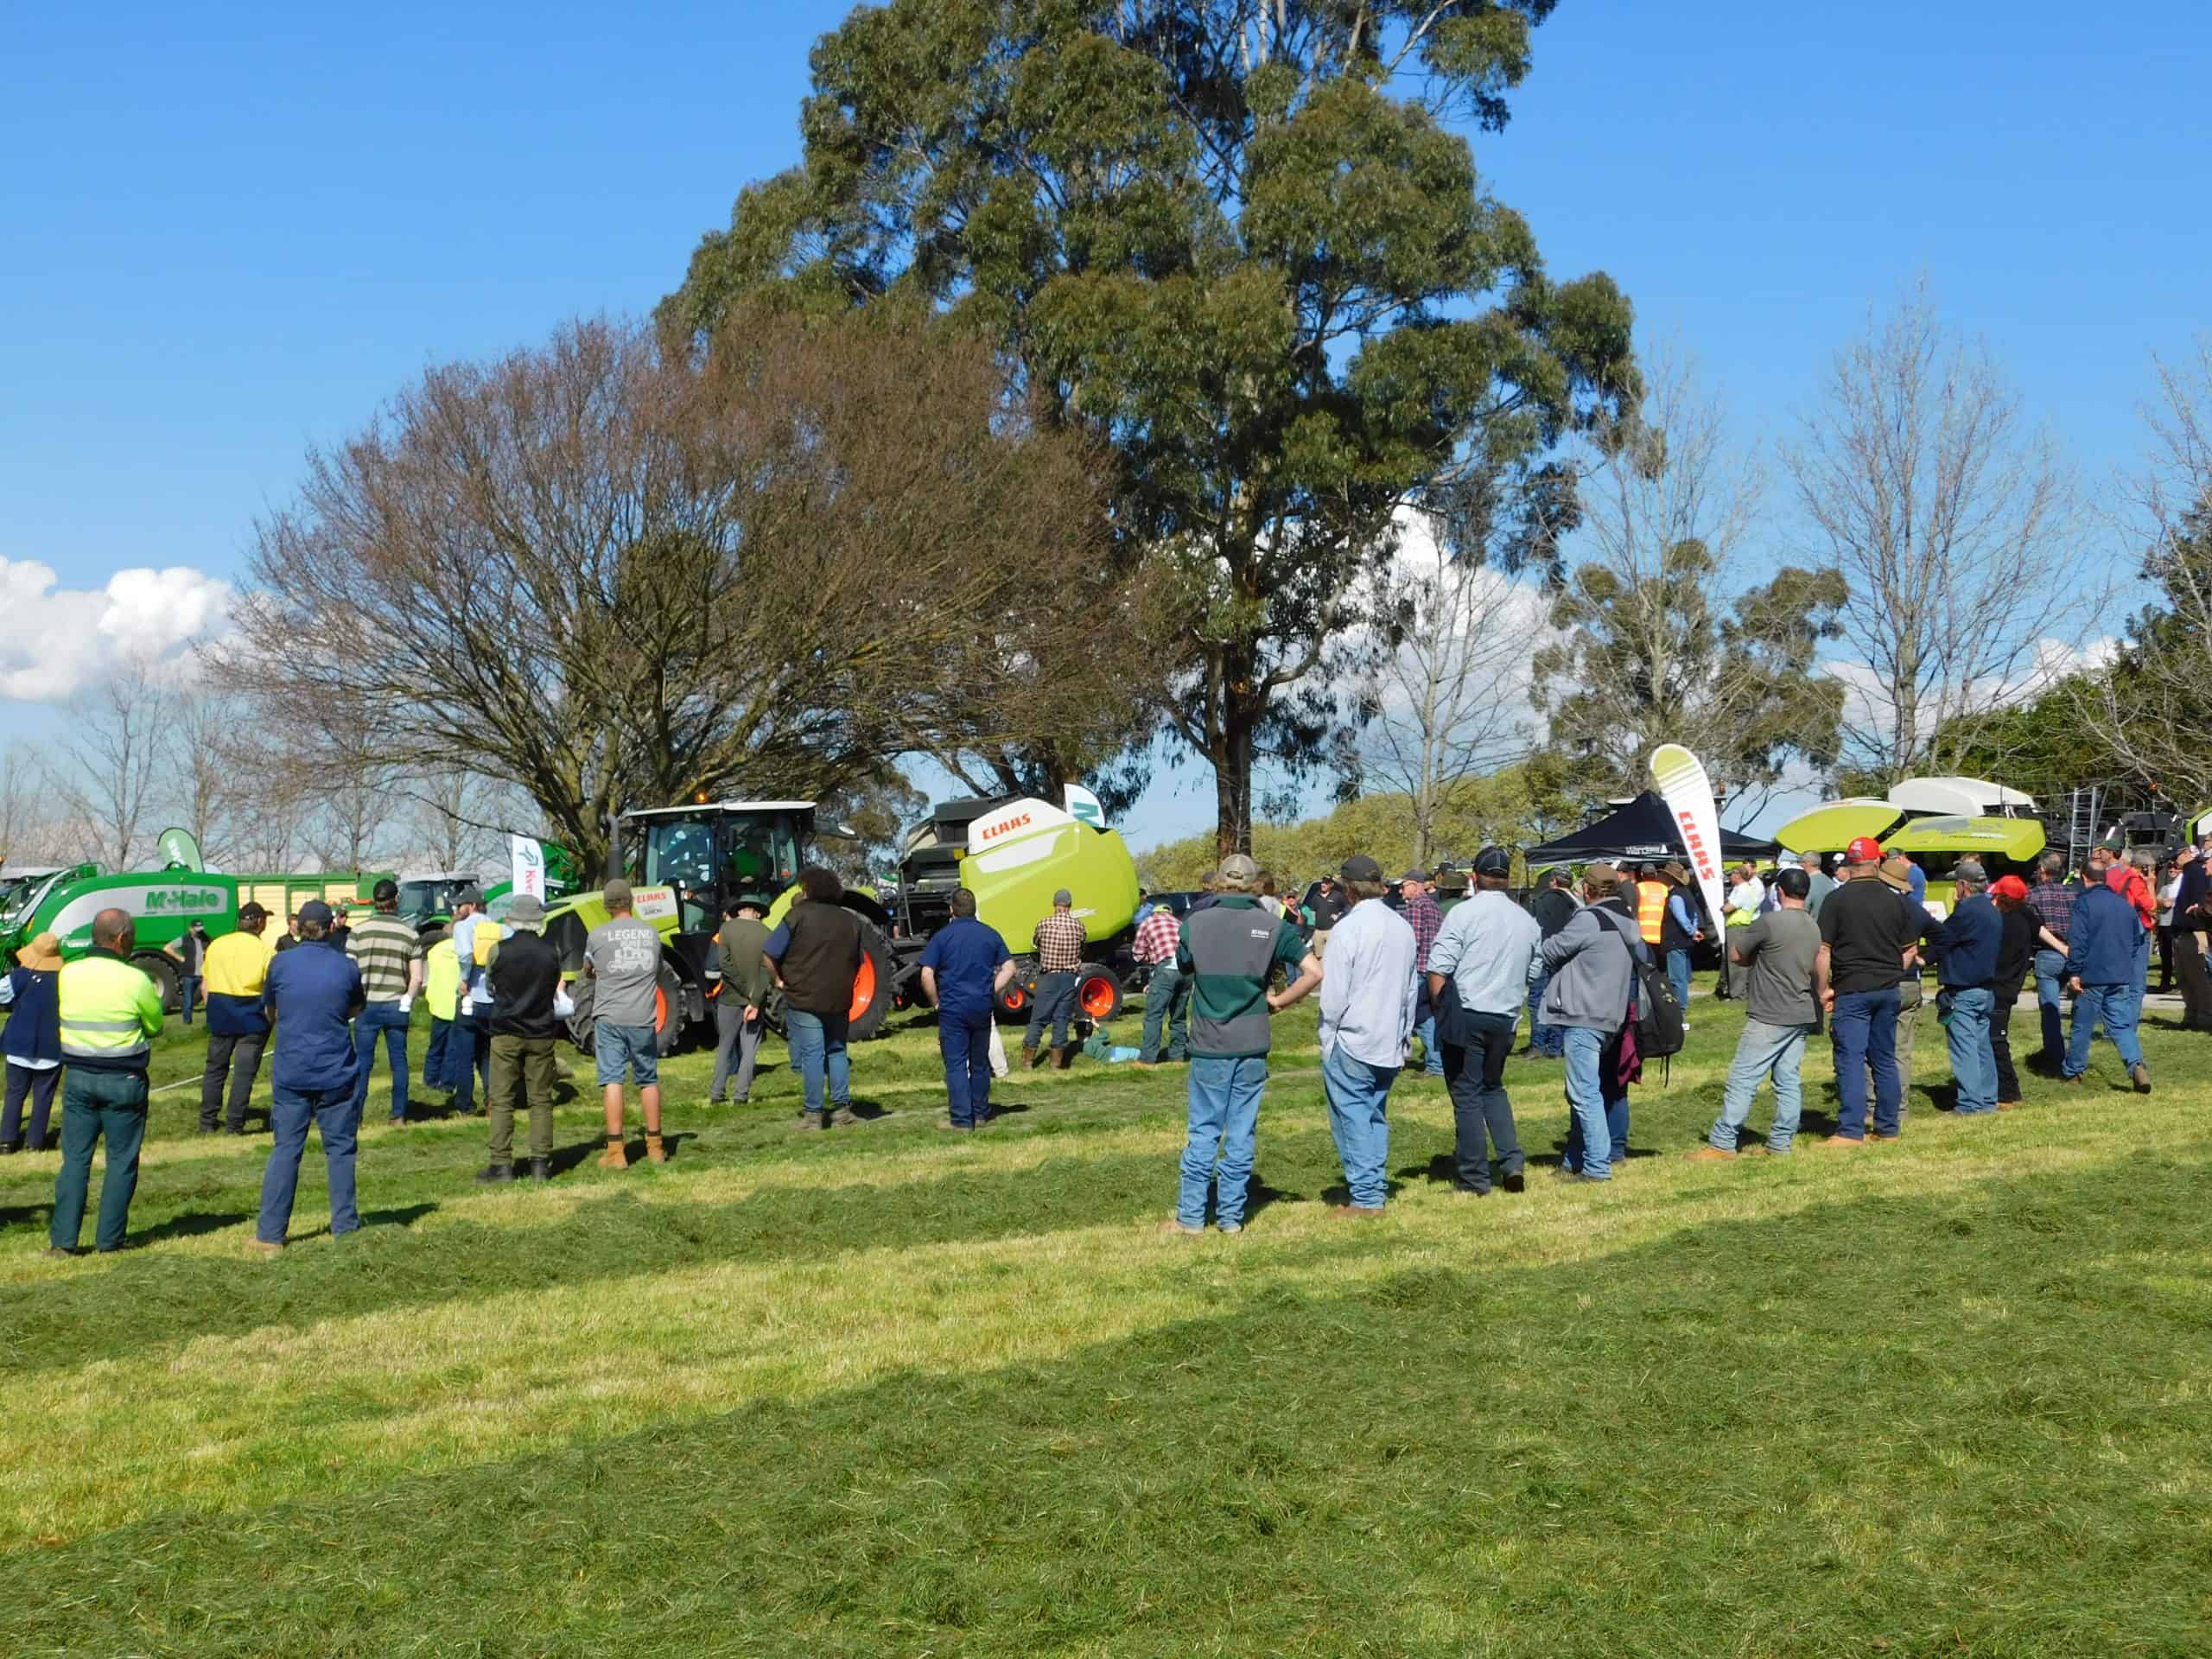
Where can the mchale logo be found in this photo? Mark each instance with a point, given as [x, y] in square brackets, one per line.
[993, 831]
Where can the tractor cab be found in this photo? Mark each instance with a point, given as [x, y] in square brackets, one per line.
[426, 897]
[711, 853]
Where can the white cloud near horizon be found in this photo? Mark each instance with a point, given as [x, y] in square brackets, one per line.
[61, 641]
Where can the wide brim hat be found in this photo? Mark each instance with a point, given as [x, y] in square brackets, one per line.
[42, 953]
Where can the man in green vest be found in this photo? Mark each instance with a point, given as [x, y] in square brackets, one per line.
[110, 1014]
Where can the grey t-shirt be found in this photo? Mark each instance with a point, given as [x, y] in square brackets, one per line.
[1782, 945]
[625, 959]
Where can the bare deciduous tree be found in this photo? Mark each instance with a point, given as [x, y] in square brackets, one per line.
[1956, 529]
[29, 831]
[110, 769]
[613, 577]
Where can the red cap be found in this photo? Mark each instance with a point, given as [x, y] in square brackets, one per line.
[1864, 850]
[2009, 887]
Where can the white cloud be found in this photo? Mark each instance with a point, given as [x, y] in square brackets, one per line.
[59, 640]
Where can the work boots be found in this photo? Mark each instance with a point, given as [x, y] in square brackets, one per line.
[655, 1153]
[1029, 1059]
[614, 1157]
[1062, 1058]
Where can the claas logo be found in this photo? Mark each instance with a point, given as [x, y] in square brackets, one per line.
[993, 831]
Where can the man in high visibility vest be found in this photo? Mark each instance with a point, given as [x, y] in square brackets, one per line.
[110, 1014]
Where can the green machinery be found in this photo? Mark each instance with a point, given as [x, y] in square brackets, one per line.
[163, 904]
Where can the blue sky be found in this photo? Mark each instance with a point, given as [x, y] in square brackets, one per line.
[229, 238]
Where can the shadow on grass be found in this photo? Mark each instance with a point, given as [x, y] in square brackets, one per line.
[1301, 1473]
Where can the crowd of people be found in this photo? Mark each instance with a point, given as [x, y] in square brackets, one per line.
[1403, 979]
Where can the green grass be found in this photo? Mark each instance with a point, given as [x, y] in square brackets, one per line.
[882, 1391]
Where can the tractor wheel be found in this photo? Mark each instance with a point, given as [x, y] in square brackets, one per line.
[1020, 991]
[872, 987]
[1097, 992]
[159, 968]
[668, 1010]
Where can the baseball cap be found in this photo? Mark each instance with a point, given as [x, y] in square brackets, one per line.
[1864, 850]
[1414, 874]
[1794, 882]
[2009, 887]
[527, 910]
[469, 896]
[1063, 896]
[384, 893]
[252, 911]
[1239, 867]
[617, 895]
[1601, 877]
[1360, 867]
[1493, 860]
[315, 910]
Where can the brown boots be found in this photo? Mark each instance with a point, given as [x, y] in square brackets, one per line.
[1062, 1058]
[615, 1158]
[655, 1153]
[1029, 1060]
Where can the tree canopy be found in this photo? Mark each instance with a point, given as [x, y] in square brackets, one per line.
[1239, 241]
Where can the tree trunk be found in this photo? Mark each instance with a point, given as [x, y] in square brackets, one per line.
[1232, 783]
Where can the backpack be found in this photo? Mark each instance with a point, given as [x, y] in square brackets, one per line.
[1652, 1009]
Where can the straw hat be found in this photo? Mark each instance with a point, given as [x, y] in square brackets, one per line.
[43, 953]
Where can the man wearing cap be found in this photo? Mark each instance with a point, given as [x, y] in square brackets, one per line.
[468, 1047]
[310, 995]
[1166, 992]
[1678, 932]
[1479, 975]
[1229, 952]
[1865, 939]
[389, 952]
[523, 974]
[1060, 942]
[2101, 949]
[741, 953]
[964, 967]
[1426, 921]
[449, 1061]
[2015, 954]
[1367, 1019]
[110, 1013]
[238, 1026]
[1329, 908]
[1780, 952]
[622, 962]
[1592, 962]
[1969, 941]
[1552, 907]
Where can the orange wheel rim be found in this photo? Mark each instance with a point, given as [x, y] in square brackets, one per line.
[1096, 997]
[1016, 997]
[863, 988]
[660, 1008]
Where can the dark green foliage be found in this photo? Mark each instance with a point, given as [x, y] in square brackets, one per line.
[1241, 244]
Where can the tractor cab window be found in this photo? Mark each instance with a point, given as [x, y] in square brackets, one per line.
[762, 855]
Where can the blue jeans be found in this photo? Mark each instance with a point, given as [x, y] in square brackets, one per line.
[434, 1057]
[2117, 1007]
[1432, 1057]
[1864, 1029]
[1055, 1006]
[337, 1116]
[97, 1106]
[2051, 1002]
[1482, 1115]
[1764, 1051]
[818, 1045]
[1166, 1013]
[965, 1041]
[1357, 1093]
[1973, 1063]
[1224, 1123]
[469, 1061]
[188, 993]
[1678, 975]
[1545, 1040]
[385, 1017]
[1597, 1122]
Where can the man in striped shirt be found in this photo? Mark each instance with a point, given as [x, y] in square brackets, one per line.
[388, 951]
[1166, 992]
[1060, 941]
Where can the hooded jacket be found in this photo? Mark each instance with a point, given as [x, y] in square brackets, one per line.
[1591, 962]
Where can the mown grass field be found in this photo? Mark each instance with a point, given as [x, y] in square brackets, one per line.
[884, 1391]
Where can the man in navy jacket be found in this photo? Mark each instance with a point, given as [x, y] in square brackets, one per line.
[1969, 940]
[2100, 951]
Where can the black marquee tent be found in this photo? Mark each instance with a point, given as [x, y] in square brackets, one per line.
[1643, 831]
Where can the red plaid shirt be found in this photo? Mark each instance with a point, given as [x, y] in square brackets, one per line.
[1158, 939]
[1060, 943]
[1427, 922]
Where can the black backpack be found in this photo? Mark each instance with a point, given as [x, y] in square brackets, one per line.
[1658, 1016]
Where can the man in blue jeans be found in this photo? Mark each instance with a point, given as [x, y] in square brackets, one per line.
[1866, 939]
[389, 952]
[2102, 951]
[817, 955]
[1367, 1019]
[1060, 941]
[2051, 898]
[310, 995]
[1781, 950]
[1969, 941]
[1478, 972]
[1679, 933]
[1592, 962]
[1228, 951]
[964, 967]
[1553, 907]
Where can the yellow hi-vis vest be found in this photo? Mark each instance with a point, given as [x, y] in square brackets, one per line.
[110, 1011]
[442, 981]
[1651, 910]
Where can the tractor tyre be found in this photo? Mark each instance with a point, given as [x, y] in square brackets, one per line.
[669, 1019]
[872, 987]
[1013, 1003]
[159, 968]
[1098, 996]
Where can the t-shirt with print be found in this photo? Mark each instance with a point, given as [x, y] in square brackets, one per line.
[625, 959]
[1782, 945]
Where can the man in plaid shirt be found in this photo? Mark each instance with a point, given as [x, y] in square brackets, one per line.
[2051, 900]
[1060, 942]
[1426, 921]
[1166, 992]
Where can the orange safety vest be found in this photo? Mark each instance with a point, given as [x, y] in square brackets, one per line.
[1651, 909]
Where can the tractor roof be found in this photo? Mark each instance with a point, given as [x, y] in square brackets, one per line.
[702, 808]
